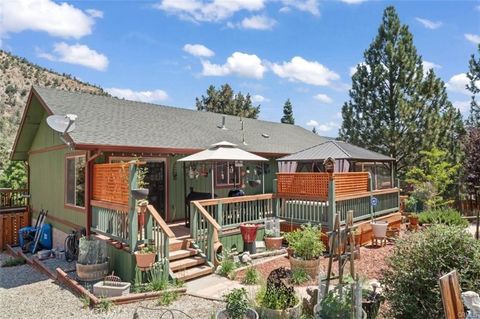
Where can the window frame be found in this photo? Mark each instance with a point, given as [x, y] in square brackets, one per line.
[237, 182]
[68, 157]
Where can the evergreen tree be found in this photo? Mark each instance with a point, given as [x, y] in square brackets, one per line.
[395, 108]
[287, 113]
[225, 101]
[473, 86]
[314, 130]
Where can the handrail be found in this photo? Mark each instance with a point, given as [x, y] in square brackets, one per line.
[237, 199]
[364, 194]
[160, 221]
[206, 215]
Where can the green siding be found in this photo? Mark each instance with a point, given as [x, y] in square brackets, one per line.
[122, 262]
[235, 239]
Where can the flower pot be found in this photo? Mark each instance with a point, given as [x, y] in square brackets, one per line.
[413, 220]
[379, 229]
[139, 193]
[108, 289]
[273, 243]
[289, 313]
[144, 261]
[251, 314]
[92, 272]
[249, 233]
[311, 267]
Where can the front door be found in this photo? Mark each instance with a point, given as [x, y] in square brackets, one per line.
[155, 177]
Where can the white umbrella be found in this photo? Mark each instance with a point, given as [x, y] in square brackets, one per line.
[223, 151]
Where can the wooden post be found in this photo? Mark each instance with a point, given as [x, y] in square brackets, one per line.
[331, 203]
[148, 225]
[193, 221]
[370, 189]
[451, 298]
[220, 213]
[132, 209]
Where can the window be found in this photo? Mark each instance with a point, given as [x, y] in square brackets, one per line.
[226, 174]
[75, 181]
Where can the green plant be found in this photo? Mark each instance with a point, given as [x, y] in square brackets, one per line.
[141, 174]
[105, 305]
[13, 261]
[446, 216]
[299, 276]
[411, 204]
[167, 297]
[276, 294]
[252, 276]
[270, 233]
[147, 249]
[306, 242]
[156, 278]
[227, 266]
[92, 251]
[335, 307]
[413, 215]
[418, 260]
[85, 301]
[237, 303]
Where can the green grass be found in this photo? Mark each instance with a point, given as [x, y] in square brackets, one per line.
[252, 276]
[85, 301]
[299, 276]
[13, 261]
[105, 305]
[227, 268]
[167, 298]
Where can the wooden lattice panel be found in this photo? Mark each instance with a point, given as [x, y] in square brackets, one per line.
[313, 185]
[110, 183]
[350, 183]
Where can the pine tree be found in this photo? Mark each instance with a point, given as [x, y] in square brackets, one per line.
[472, 161]
[314, 130]
[474, 76]
[395, 108]
[287, 113]
[225, 101]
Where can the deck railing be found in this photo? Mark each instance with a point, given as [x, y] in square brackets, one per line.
[302, 211]
[13, 198]
[111, 220]
[204, 230]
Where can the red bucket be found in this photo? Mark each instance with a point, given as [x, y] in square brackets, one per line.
[249, 233]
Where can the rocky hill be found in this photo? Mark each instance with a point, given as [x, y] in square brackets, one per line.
[17, 75]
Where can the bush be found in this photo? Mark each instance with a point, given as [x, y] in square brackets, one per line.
[411, 280]
[252, 276]
[306, 242]
[299, 276]
[446, 216]
[276, 294]
[13, 261]
[237, 303]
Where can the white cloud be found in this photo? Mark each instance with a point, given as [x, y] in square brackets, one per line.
[457, 83]
[474, 38]
[310, 6]
[142, 96]
[94, 13]
[57, 19]
[323, 98]
[208, 10]
[285, 9]
[429, 24]
[312, 123]
[427, 65]
[310, 72]
[258, 22]
[198, 50]
[259, 98]
[463, 106]
[353, 1]
[76, 54]
[241, 64]
[353, 69]
[329, 126]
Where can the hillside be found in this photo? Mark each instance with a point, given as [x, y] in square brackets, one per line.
[17, 75]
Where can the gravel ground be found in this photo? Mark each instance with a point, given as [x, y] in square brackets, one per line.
[24, 292]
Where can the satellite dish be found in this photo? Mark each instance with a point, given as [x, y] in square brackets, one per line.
[62, 123]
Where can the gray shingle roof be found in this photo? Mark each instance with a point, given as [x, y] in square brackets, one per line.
[336, 150]
[112, 121]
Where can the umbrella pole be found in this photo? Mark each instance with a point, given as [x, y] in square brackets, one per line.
[213, 181]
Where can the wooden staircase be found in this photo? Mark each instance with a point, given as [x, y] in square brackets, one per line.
[186, 263]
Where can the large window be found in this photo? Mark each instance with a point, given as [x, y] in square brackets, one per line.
[75, 181]
[226, 174]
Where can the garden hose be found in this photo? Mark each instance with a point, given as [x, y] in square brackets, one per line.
[71, 246]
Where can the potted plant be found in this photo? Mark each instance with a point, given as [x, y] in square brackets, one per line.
[307, 249]
[92, 263]
[145, 257]
[277, 299]
[379, 229]
[237, 306]
[273, 240]
[413, 219]
[141, 192]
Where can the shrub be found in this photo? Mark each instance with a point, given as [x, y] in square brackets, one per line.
[276, 294]
[227, 267]
[252, 276]
[167, 298]
[299, 276]
[447, 216]
[13, 261]
[306, 242]
[335, 307]
[411, 280]
[237, 303]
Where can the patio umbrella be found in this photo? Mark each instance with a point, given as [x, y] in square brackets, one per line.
[223, 151]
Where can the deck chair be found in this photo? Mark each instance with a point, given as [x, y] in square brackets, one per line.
[451, 298]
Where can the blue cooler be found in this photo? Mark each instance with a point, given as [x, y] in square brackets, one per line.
[45, 240]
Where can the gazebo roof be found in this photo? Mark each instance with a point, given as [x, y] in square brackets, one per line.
[337, 150]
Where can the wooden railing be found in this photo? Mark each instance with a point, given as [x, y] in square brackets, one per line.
[13, 198]
[111, 183]
[307, 185]
[301, 211]
[204, 230]
[111, 220]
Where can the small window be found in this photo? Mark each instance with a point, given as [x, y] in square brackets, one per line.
[75, 181]
[226, 174]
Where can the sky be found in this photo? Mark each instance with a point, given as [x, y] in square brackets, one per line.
[169, 51]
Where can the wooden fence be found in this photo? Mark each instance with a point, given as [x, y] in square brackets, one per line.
[13, 198]
[111, 183]
[10, 223]
[350, 183]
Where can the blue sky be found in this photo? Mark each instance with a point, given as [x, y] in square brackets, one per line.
[170, 51]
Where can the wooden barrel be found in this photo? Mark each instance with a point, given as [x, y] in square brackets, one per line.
[311, 267]
[92, 272]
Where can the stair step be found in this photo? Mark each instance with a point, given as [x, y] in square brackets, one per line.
[195, 272]
[186, 263]
[181, 253]
[178, 244]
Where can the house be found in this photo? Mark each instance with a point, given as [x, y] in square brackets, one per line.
[77, 176]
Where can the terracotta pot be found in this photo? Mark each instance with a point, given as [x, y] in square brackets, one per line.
[251, 314]
[145, 261]
[413, 220]
[273, 243]
[249, 233]
[289, 313]
[311, 267]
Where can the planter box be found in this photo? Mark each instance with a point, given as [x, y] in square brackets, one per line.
[289, 313]
[251, 314]
[311, 267]
[92, 272]
[111, 289]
